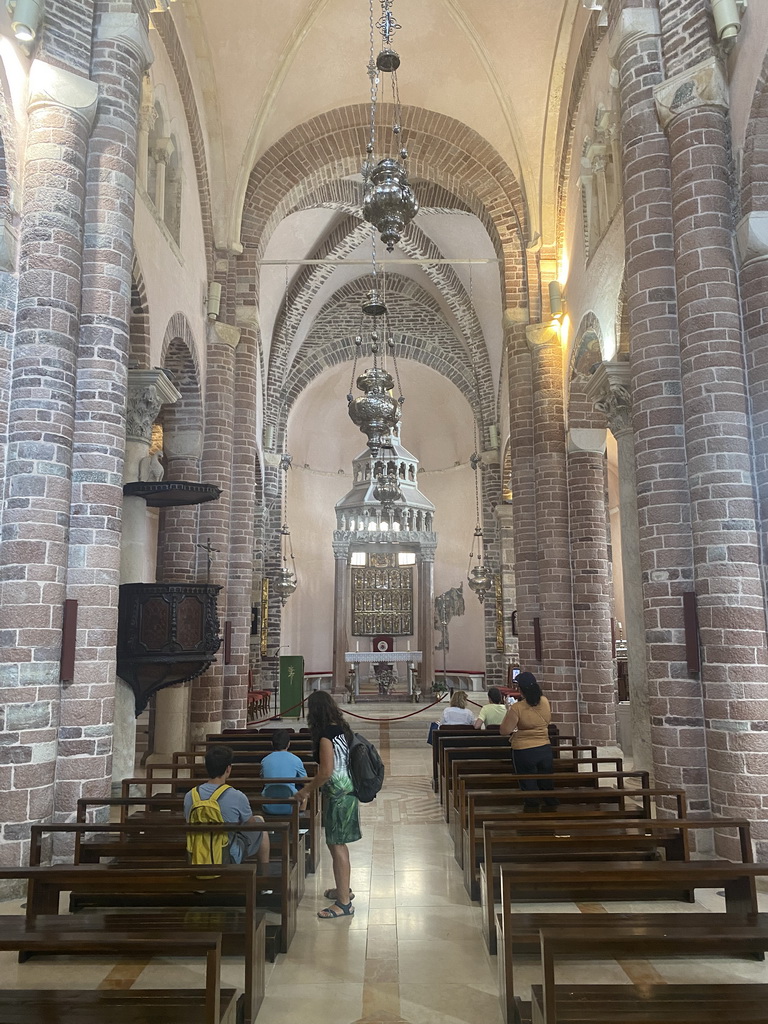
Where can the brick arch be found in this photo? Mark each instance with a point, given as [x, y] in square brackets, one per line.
[9, 169]
[754, 176]
[444, 151]
[586, 352]
[139, 333]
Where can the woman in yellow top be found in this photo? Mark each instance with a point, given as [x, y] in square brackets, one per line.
[526, 722]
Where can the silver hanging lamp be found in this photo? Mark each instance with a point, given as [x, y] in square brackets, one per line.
[287, 579]
[479, 577]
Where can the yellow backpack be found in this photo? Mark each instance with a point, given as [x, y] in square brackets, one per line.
[206, 847]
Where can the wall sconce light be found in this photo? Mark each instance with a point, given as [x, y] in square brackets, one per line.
[214, 300]
[26, 16]
[727, 17]
[555, 300]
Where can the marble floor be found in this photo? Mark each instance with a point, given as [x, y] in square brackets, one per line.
[413, 952]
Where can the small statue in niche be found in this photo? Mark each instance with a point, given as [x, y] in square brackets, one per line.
[151, 469]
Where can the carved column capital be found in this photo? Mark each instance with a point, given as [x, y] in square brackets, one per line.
[608, 390]
[541, 336]
[148, 390]
[163, 150]
[223, 334]
[50, 86]
[128, 30]
[514, 317]
[586, 439]
[632, 25]
[704, 85]
[752, 237]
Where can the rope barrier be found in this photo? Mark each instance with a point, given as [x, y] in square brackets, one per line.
[363, 718]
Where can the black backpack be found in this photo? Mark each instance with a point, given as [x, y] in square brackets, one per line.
[366, 768]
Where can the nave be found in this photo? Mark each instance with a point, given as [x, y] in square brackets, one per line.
[413, 953]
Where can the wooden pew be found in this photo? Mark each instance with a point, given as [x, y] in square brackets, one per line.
[504, 781]
[195, 769]
[650, 1004]
[458, 767]
[44, 929]
[595, 804]
[309, 821]
[243, 754]
[162, 847]
[503, 784]
[169, 807]
[579, 881]
[523, 842]
[455, 734]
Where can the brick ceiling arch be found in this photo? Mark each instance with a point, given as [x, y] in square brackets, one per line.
[754, 178]
[443, 151]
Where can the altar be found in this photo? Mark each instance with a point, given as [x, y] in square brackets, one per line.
[386, 658]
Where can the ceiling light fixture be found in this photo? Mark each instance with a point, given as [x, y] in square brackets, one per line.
[389, 202]
[480, 578]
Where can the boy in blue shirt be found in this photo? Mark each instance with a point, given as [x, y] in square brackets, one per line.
[281, 764]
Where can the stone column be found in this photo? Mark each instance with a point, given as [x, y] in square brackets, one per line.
[558, 663]
[240, 577]
[752, 239]
[490, 483]
[207, 691]
[147, 118]
[426, 624]
[693, 109]
[36, 519]
[663, 499]
[162, 154]
[340, 613]
[522, 483]
[505, 517]
[591, 581]
[609, 391]
[120, 54]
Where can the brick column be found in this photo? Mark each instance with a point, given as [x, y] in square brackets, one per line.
[609, 390]
[120, 55]
[591, 582]
[663, 499]
[240, 579]
[558, 674]
[35, 529]
[208, 690]
[522, 483]
[693, 108]
[752, 238]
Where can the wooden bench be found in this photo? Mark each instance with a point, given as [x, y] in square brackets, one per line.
[572, 763]
[162, 848]
[505, 781]
[308, 821]
[44, 930]
[468, 736]
[699, 1003]
[593, 804]
[523, 842]
[243, 754]
[169, 807]
[579, 881]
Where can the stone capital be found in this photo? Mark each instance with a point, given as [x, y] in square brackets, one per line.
[514, 317]
[704, 85]
[608, 390]
[163, 150]
[542, 335]
[128, 30]
[632, 25]
[148, 391]
[752, 237]
[504, 514]
[54, 87]
[340, 547]
[586, 439]
[223, 334]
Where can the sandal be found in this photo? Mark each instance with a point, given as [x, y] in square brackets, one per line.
[344, 910]
[331, 894]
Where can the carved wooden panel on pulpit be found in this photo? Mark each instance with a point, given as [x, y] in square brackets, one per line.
[382, 599]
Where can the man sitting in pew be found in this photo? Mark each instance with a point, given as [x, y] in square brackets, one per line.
[281, 764]
[234, 807]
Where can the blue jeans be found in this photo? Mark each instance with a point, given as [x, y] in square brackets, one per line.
[535, 761]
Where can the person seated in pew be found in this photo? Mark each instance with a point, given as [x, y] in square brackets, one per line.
[234, 806]
[281, 764]
[457, 712]
[527, 724]
[494, 712]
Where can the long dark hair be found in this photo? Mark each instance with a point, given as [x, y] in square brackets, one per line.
[530, 689]
[323, 713]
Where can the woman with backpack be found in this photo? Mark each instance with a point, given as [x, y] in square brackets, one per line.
[332, 741]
